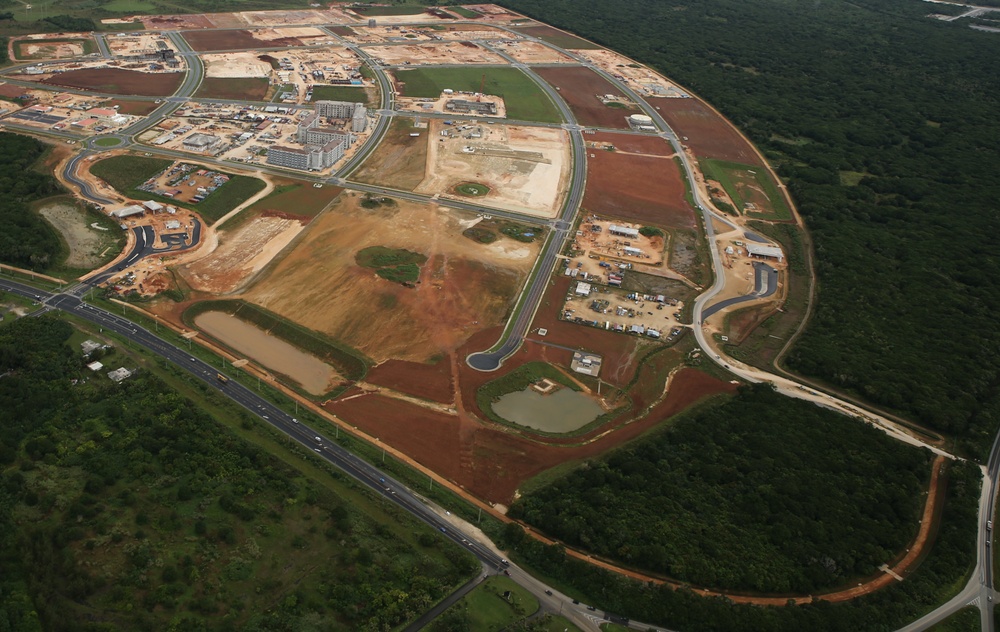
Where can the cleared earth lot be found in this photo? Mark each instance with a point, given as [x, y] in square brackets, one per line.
[583, 90]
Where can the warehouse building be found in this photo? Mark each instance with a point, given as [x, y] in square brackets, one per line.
[623, 231]
[471, 107]
[767, 252]
[200, 142]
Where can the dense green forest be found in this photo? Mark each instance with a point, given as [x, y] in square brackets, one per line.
[26, 240]
[127, 507]
[944, 568]
[764, 493]
[884, 124]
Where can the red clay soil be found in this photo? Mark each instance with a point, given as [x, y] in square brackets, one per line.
[554, 36]
[580, 88]
[708, 134]
[236, 88]
[11, 91]
[618, 350]
[135, 108]
[119, 81]
[235, 39]
[154, 22]
[642, 188]
[634, 143]
[490, 461]
[427, 381]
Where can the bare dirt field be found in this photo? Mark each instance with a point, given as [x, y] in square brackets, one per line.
[400, 161]
[238, 38]
[235, 65]
[708, 134]
[554, 36]
[241, 253]
[86, 243]
[636, 76]
[526, 168]
[279, 18]
[436, 53]
[154, 22]
[42, 49]
[493, 462]
[428, 381]
[534, 53]
[645, 185]
[582, 89]
[133, 108]
[463, 287]
[119, 81]
[11, 91]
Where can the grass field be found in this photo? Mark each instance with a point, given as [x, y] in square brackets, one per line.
[524, 99]
[129, 6]
[353, 94]
[108, 142]
[126, 173]
[485, 609]
[472, 189]
[747, 184]
[244, 88]
[398, 266]
[300, 199]
[465, 13]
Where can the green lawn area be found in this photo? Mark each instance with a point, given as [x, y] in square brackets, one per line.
[465, 13]
[129, 6]
[398, 266]
[485, 609]
[107, 142]
[524, 99]
[354, 94]
[301, 199]
[748, 184]
[127, 173]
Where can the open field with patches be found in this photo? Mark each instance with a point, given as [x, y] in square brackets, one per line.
[463, 286]
[400, 161]
[708, 134]
[525, 169]
[639, 180]
[490, 460]
[205, 41]
[554, 36]
[582, 89]
[525, 101]
[752, 190]
[435, 53]
[119, 81]
[242, 88]
[133, 108]
[52, 48]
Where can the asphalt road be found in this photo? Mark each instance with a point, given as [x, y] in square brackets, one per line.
[765, 284]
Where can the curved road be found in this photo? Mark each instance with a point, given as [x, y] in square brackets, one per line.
[765, 284]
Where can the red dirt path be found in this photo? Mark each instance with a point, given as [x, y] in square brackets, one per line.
[708, 134]
[119, 81]
[580, 87]
[644, 188]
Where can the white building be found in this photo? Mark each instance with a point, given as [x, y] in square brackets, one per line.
[761, 250]
[623, 231]
[582, 289]
[128, 211]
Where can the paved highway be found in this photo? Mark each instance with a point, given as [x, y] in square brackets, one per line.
[765, 284]
[538, 281]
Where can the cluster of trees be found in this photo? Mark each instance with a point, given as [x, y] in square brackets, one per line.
[764, 493]
[888, 609]
[883, 124]
[26, 240]
[127, 504]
